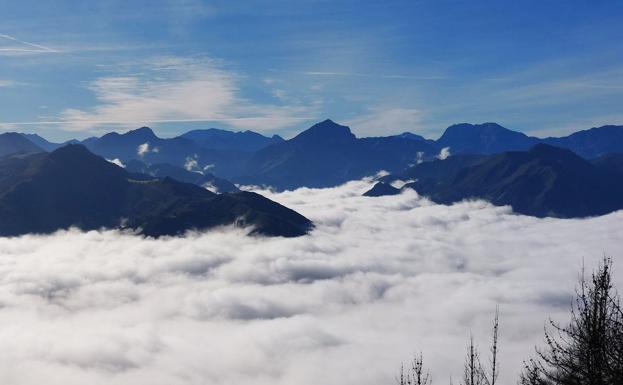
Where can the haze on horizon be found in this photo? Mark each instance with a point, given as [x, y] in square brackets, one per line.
[75, 69]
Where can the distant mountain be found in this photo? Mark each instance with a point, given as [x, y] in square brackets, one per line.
[70, 186]
[40, 142]
[325, 155]
[164, 170]
[544, 181]
[142, 144]
[14, 143]
[486, 138]
[216, 139]
[328, 154]
[45, 144]
[435, 169]
[382, 189]
[491, 138]
[126, 146]
[592, 143]
[412, 136]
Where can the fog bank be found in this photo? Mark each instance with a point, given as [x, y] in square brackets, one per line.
[377, 280]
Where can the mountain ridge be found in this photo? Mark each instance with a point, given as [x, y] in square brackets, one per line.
[545, 181]
[72, 187]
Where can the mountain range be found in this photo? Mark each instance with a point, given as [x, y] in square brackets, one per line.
[491, 138]
[324, 155]
[13, 143]
[328, 154]
[71, 187]
[166, 170]
[571, 176]
[543, 181]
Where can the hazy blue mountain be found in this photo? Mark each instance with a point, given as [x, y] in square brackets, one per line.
[491, 138]
[435, 169]
[70, 186]
[328, 154]
[45, 144]
[41, 142]
[486, 138]
[164, 170]
[544, 181]
[14, 143]
[247, 141]
[142, 144]
[593, 142]
[412, 136]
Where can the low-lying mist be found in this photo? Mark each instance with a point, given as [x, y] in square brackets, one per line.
[378, 280]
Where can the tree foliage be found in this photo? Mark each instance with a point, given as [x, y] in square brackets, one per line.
[586, 351]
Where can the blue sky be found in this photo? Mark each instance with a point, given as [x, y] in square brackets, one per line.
[77, 69]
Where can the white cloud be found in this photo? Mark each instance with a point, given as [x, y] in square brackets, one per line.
[381, 121]
[191, 164]
[444, 153]
[176, 90]
[210, 187]
[377, 280]
[142, 149]
[117, 161]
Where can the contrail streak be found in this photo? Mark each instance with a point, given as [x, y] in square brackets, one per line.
[40, 48]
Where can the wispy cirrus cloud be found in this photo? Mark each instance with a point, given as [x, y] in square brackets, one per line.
[366, 75]
[6, 83]
[175, 89]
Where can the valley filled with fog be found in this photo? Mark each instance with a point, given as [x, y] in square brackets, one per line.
[376, 281]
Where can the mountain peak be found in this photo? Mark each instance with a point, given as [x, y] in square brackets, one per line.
[143, 132]
[13, 143]
[75, 154]
[546, 150]
[411, 136]
[487, 127]
[326, 130]
[485, 138]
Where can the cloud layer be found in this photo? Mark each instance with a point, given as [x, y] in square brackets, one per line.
[378, 280]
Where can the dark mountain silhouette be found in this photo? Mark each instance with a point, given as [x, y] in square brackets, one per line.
[486, 138]
[164, 170]
[70, 186]
[592, 143]
[544, 181]
[435, 169]
[216, 139]
[613, 163]
[14, 143]
[382, 189]
[328, 154]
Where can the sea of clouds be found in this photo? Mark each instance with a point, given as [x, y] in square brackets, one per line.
[378, 280]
